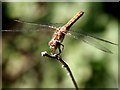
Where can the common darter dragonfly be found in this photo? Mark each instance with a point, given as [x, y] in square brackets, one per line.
[60, 32]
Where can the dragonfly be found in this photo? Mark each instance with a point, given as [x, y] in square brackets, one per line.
[59, 34]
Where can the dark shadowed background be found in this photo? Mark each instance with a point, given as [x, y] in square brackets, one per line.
[22, 63]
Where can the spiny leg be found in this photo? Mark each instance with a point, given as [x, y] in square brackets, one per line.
[59, 48]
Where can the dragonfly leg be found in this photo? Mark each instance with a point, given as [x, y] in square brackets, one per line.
[59, 48]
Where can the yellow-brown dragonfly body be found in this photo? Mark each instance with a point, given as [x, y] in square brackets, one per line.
[60, 32]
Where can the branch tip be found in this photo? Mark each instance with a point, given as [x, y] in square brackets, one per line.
[43, 53]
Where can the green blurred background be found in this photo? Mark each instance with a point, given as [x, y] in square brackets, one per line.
[24, 67]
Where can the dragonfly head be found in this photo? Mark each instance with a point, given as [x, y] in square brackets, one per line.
[53, 45]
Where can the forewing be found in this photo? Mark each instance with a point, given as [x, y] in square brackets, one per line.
[20, 26]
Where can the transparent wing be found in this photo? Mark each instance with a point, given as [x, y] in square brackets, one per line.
[27, 26]
[92, 40]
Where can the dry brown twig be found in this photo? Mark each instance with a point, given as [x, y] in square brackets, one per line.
[58, 57]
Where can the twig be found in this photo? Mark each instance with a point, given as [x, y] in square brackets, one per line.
[57, 57]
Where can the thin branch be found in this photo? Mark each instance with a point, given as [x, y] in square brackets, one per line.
[57, 57]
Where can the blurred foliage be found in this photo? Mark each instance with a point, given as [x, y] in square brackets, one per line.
[22, 63]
